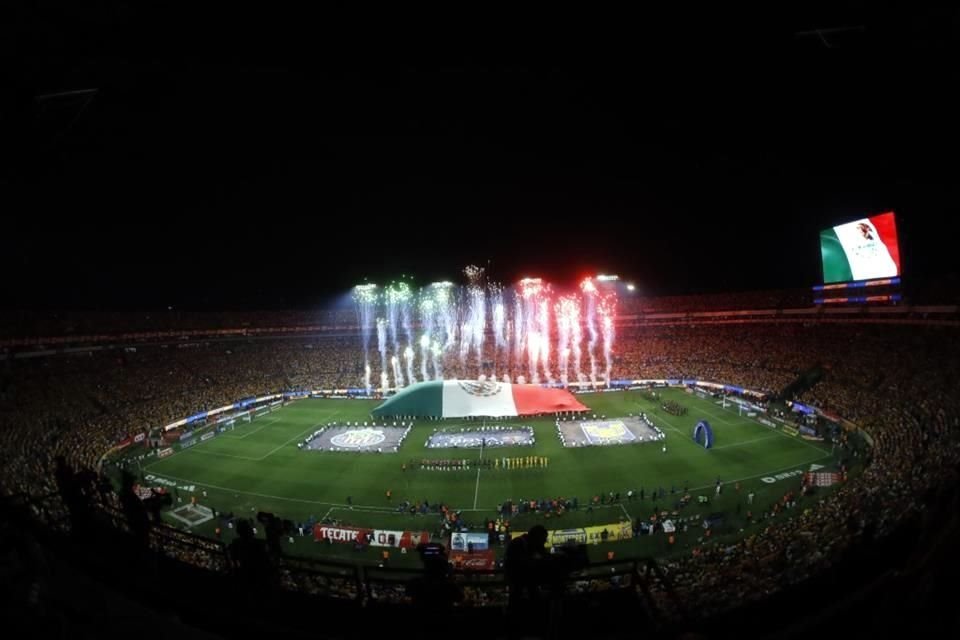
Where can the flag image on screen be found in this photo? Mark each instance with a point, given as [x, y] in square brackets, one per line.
[861, 250]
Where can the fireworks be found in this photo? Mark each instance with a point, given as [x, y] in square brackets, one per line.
[473, 328]
[382, 348]
[397, 371]
[524, 332]
[365, 297]
[498, 316]
[590, 295]
[445, 316]
[608, 312]
[534, 313]
[408, 358]
[398, 311]
[567, 311]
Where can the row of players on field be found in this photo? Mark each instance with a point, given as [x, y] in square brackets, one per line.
[522, 462]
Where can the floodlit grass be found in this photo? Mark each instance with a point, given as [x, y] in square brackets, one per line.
[258, 467]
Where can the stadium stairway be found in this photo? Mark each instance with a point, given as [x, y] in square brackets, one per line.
[804, 382]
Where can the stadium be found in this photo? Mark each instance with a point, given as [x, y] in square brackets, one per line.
[587, 349]
[713, 444]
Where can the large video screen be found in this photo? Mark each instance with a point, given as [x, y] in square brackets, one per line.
[861, 250]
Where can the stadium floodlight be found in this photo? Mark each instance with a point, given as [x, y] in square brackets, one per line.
[603, 278]
[365, 287]
[631, 287]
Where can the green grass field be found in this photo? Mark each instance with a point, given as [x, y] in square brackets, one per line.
[258, 467]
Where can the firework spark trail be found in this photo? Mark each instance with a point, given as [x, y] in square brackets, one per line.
[438, 320]
[576, 338]
[464, 343]
[399, 297]
[444, 313]
[393, 313]
[475, 314]
[608, 312]
[382, 347]
[478, 322]
[530, 340]
[408, 331]
[437, 355]
[427, 314]
[405, 320]
[518, 333]
[568, 328]
[408, 357]
[507, 336]
[563, 344]
[365, 297]
[397, 372]
[533, 352]
[543, 316]
[424, 355]
[536, 319]
[498, 316]
[590, 293]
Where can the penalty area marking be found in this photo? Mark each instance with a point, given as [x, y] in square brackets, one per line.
[227, 455]
[774, 434]
[299, 435]
[782, 434]
[250, 433]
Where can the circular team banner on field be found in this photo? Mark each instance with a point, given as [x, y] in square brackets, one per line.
[358, 438]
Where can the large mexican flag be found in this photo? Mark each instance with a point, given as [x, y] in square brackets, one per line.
[861, 250]
[461, 398]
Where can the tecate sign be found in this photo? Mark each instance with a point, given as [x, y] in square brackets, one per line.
[339, 535]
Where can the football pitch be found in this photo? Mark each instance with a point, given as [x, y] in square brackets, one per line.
[259, 467]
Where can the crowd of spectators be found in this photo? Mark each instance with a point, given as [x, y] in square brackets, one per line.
[753, 300]
[52, 324]
[897, 383]
[80, 404]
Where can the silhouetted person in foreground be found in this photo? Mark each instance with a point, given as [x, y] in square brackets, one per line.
[134, 510]
[25, 574]
[523, 565]
[536, 578]
[434, 593]
[273, 530]
[76, 489]
[251, 561]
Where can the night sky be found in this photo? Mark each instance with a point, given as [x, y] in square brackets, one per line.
[277, 171]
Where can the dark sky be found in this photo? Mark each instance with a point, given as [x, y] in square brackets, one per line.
[212, 169]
